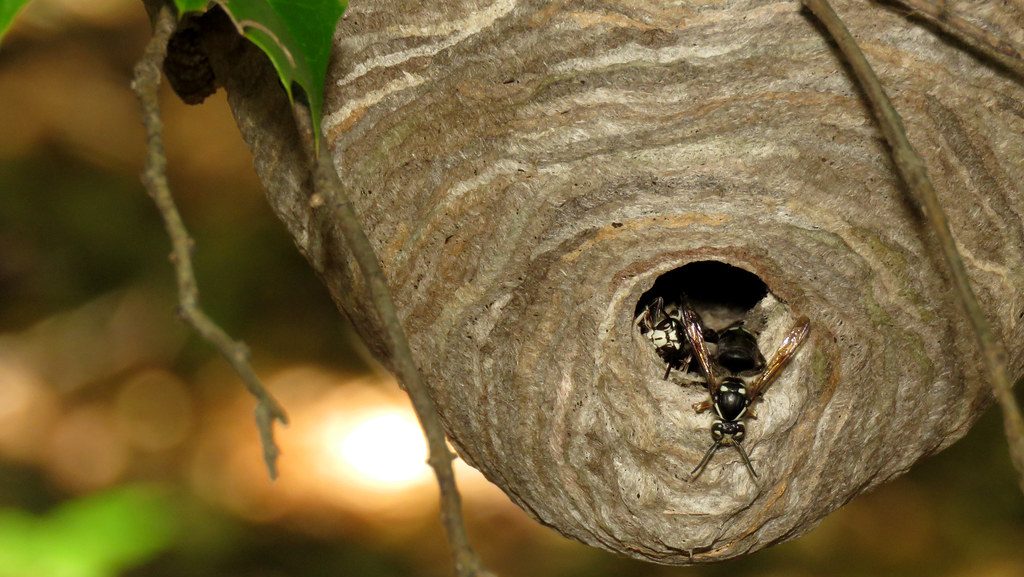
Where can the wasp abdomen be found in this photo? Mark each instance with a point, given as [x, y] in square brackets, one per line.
[738, 351]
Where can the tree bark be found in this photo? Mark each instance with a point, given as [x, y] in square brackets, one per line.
[526, 170]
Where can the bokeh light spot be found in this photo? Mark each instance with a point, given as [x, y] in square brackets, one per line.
[86, 451]
[382, 449]
[27, 409]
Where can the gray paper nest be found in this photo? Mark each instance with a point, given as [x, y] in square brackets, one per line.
[526, 170]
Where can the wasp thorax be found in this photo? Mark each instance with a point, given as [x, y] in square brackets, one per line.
[665, 335]
[731, 399]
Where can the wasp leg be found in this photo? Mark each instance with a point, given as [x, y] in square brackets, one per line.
[750, 414]
[702, 406]
[668, 369]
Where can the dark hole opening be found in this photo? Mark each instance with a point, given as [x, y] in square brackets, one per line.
[720, 292]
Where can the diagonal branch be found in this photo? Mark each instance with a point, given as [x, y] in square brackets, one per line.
[983, 41]
[333, 197]
[145, 85]
[912, 169]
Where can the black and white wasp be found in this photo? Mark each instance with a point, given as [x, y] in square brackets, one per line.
[663, 327]
[666, 334]
[731, 396]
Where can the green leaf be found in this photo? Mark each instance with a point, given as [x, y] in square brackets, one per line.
[295, 34]
[8, 9]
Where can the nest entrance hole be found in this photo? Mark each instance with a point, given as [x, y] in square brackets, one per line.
[722, 294]
[725, 297]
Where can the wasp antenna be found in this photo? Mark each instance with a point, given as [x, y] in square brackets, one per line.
[704, 462]
[746, 459]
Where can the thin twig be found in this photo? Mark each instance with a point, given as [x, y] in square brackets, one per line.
[977, 38]
[145, 85]
[333, 198]
[912, 169]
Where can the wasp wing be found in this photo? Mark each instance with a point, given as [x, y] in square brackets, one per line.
[781, 357]
[695, 336]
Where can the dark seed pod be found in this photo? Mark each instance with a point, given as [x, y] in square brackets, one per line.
[187, 66]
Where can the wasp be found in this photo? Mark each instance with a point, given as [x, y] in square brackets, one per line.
[731, 397]
[665, 332]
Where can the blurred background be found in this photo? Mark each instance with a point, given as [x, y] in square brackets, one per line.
[127, 447]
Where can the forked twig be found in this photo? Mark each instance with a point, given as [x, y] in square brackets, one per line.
[154, 177]
[977, 38]
[334, 199]
[912, 169]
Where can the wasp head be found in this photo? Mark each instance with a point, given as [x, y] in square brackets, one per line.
[728, 432]
[725, 433]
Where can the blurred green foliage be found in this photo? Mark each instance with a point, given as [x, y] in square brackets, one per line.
[95, 536]
[56, 249]
[69, 232]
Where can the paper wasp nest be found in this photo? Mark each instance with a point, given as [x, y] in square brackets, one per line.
[527, 170]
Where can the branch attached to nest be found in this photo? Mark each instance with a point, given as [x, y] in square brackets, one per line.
[981, 40]
[333, 197]
[912, 169]
[145, 85]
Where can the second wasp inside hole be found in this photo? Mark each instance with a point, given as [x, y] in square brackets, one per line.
[728, 301]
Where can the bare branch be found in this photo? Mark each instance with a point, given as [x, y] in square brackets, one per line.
[145, 85]
[912, 169]
[981, 40]
[333, 198]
